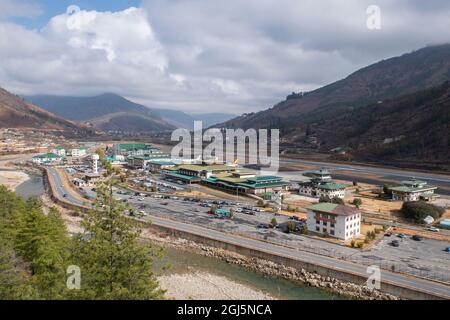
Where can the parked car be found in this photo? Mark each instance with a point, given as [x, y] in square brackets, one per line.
[395, 243]
[263, 226]
[447, 249]
[432, 229]
[388, 234]
[417, 238]
[401, 236]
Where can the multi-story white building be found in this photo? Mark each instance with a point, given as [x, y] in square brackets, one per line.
[322, 185]
[335, 220]
[60, 151]
[413, 190]
[78, 152]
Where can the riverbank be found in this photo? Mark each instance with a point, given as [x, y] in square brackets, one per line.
[207, 286]
[271, 269]
[12, 179]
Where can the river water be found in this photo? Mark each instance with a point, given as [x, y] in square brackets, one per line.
[185, 262]
[34, 187]
[181, 262]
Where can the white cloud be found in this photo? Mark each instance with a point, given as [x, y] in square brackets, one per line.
[18, 8]
[228, 56]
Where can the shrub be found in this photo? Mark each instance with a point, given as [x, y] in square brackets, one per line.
[353, 243]
[273, 223]
[337, 200]
[360, 245]
[357, 202]
[291, 226]
[418, 211]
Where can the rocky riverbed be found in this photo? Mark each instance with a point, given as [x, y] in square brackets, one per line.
[269, 268]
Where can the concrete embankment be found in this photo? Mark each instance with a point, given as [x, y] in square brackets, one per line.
[324, 276]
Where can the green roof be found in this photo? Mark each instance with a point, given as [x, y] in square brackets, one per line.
[182, 176]
[153, 157]
[264, 178]
[331, 186]
[264, 185]
[333, 208]
[411, 189]
[134, 146]
[47, 156]
[162, 163]
[199, 168]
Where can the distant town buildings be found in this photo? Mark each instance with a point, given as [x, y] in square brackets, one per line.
[134, 149]
[47, 159]
[334, 220]
[321, 184]
[78, 152]
[413, 190]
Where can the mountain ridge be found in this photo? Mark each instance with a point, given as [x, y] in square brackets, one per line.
[15, 112]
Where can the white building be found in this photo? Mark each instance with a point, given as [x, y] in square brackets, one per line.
[60, 151]
[413, 190]
[334, 220]
[47, 159]
[322, 185]
[95, 158]
[78, 152]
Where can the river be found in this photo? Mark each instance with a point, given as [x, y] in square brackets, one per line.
[33, 187]
[186, 262]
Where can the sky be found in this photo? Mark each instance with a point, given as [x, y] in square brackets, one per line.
[205, 55]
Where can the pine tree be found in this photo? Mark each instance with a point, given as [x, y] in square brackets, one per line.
[113, 263]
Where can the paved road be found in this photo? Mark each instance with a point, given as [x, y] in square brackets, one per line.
[61, 189]
[423, 285]
[395, 278]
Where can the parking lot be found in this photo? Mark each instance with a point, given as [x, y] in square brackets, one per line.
[418, 257]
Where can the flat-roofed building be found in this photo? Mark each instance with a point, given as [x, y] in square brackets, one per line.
[322, 185]
[158, 166]
[142, 162]
[195, 173]
[60, 151]
[47, 159]
[413, 190]
[247, 183]
[134, 149]
[78, 152]
[335, 220]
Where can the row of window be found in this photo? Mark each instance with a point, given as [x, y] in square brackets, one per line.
[325, 230]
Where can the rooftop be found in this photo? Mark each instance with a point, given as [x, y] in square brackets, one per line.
[199, 168]
[47, 156]
[134, 146]
[265, 178]
[333, 208]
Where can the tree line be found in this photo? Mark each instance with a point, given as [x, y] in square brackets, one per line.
[36, 253]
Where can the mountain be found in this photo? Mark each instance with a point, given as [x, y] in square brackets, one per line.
[184, 120]
[111, 112]
[386, 79]
[107, 112]
[17, 113]
[413, 128]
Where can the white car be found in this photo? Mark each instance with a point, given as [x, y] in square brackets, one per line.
[432, 229]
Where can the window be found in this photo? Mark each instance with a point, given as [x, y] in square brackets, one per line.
[332, 225]
[332, 232]
[317, 229]
[317, 222]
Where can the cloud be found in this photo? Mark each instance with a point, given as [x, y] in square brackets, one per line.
[19, 8]
[204, 56]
